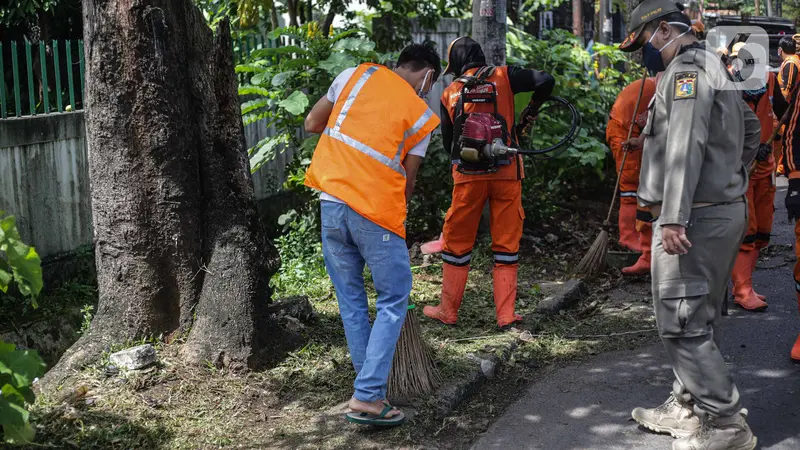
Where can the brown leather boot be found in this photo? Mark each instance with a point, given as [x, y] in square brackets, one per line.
[743, 282]
[454, 280]
[505, 294]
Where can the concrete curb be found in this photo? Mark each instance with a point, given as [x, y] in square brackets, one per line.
[486, 365]
[571, 292]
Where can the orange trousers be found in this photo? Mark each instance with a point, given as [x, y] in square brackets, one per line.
[463, 217]
[761, 209]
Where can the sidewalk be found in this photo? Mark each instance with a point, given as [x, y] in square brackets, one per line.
[588, 405]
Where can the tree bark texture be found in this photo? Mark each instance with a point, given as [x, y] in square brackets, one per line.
[577, 18]
[179, 244]
[489, 29]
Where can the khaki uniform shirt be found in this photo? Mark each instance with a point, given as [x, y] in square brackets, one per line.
[700, 135]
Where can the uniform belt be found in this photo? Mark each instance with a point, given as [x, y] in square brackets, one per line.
[655, 210]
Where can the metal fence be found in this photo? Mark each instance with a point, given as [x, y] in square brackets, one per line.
[40, 78]
[47, 77]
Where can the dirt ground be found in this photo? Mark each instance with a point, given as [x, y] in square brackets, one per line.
[298, 404]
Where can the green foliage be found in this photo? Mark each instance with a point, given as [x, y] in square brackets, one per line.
[285, 81]
[302, 267]
[21, 263]
[88, 314]
[22, 10]
[592, 92]
[431, 193]
[18, 368]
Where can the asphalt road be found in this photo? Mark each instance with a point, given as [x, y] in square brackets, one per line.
[588, 405]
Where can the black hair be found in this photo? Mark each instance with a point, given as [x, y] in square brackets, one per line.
[788, 45]
[421, 56]
[676, 16]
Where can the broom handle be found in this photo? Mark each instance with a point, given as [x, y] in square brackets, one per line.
[625, 151]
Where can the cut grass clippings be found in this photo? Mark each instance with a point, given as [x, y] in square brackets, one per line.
[294, 404]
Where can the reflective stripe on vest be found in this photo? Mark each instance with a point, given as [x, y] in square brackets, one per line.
[394, 164]
[414, 130]
[352, 97]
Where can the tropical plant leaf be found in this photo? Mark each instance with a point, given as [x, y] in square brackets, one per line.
[295, 103]
[280, 79]
[285, 50]
[338, 62]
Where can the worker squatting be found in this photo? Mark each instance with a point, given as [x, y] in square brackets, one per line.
[694, 201]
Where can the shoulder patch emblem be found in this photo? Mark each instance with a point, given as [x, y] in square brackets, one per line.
[685, 85]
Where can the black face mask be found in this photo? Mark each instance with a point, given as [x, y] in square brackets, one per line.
[466, 54]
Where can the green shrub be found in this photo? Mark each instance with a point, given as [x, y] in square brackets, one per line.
[591, 91]
[20, 264]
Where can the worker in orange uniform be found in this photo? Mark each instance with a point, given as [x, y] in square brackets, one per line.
[787, 79]
[375, 128]
[635, 231]
[767, 102]
[480, 88]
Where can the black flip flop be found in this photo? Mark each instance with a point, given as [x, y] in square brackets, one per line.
[363, 418]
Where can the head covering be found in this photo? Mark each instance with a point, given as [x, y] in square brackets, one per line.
[646, 12]
[464, 54]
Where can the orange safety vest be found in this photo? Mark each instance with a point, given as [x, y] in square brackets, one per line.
[505, 107]
[377, 119]
[766, 116]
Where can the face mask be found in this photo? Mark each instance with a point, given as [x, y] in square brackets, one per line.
[424, 94]
[651, 56]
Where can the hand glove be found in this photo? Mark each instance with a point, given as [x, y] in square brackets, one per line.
[792, 201]
[763, 152]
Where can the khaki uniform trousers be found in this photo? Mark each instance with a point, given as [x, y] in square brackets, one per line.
[688, 291]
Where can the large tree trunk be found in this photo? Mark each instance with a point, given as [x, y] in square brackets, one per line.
[489, 29]
[291, 7]
[179, 244]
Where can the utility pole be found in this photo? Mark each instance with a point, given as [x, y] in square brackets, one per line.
[769, 8]
[605, 35]
[489, 29]
[577, 18]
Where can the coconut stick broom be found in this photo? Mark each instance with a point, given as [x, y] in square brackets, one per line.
[595, 259]
[414, 370]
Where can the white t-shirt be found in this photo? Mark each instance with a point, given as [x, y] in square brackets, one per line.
[333, 94]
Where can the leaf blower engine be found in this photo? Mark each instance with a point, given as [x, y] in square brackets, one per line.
[482, 139]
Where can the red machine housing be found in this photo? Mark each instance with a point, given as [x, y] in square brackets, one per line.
[480, 130]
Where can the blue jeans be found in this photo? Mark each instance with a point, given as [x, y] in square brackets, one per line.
[348, 242]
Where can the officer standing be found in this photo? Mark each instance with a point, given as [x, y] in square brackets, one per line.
[700, 136]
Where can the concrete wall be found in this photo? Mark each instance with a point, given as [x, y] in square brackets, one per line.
[44, 179]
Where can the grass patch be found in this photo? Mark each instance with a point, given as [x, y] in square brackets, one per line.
[293, 405]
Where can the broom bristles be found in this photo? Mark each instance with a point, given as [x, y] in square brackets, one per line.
[595, 259]
[414, 370]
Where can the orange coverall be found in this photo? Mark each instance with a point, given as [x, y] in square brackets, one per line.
[635, 230]
[760, 202]
[787, 79]
[502, 189]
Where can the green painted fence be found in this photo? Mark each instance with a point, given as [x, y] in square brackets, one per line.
[48, 77]
[40, 78]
